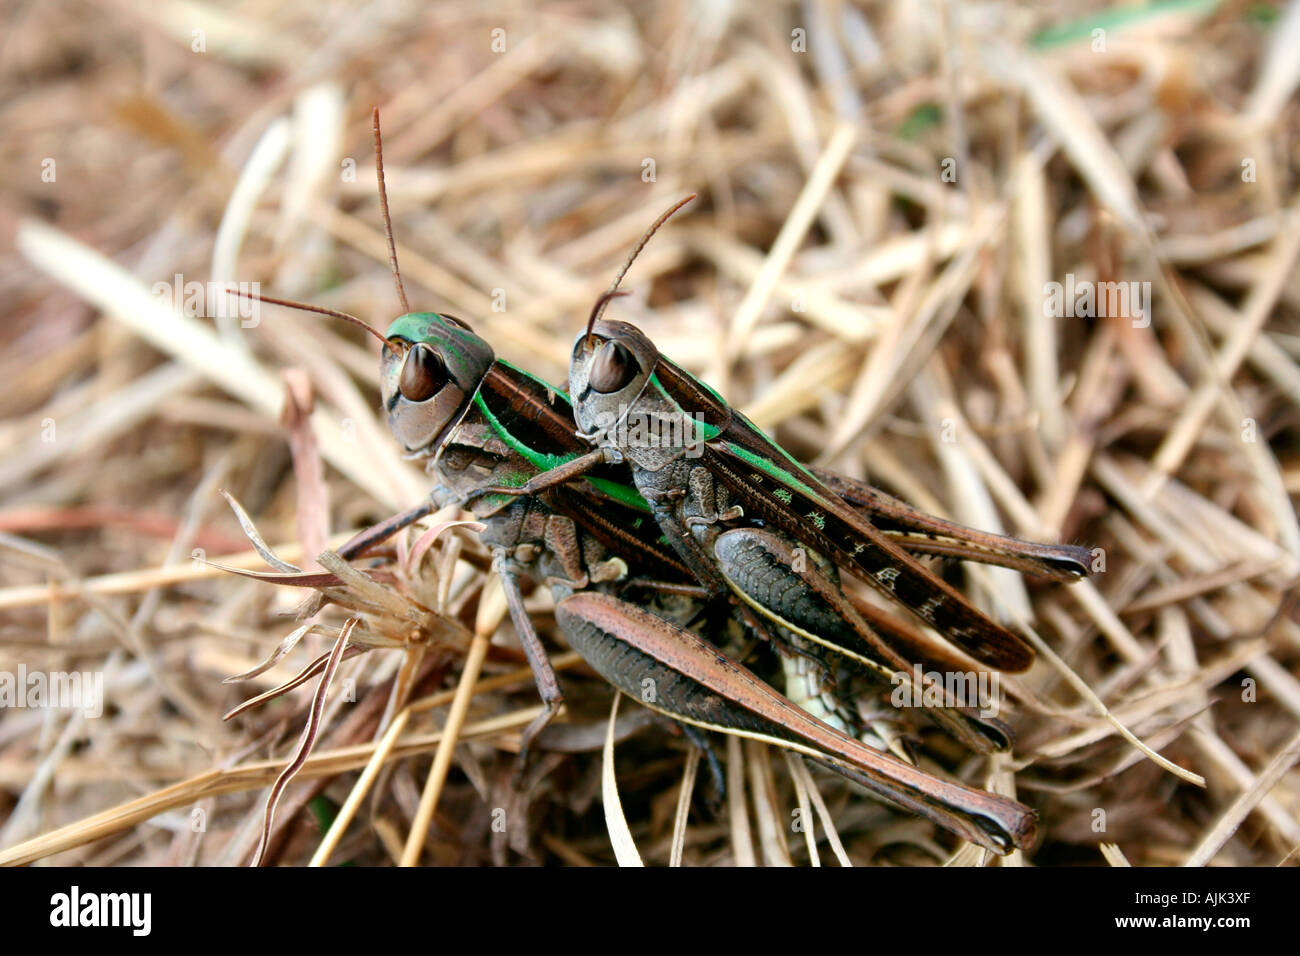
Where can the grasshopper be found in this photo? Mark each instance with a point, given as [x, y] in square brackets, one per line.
[446, 401]
[488, 431]
[751, 521]
[788, 569]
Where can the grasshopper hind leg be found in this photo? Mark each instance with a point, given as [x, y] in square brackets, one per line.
[674, 671]
[712, 617]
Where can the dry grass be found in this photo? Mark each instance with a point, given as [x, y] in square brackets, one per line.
[879, 316]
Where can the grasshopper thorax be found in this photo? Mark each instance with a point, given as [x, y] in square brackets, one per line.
[430, 369]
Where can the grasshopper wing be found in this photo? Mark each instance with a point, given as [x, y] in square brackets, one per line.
[920, 533]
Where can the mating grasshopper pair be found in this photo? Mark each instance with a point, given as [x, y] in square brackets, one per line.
[723, 514]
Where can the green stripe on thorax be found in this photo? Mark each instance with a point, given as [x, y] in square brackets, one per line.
[544, 461]
[766, 465]
[704, 431]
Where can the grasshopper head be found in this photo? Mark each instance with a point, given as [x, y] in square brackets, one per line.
[430, 368]
[612, 362]
[608, 371]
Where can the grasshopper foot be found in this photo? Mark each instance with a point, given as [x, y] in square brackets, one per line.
[716, 795]
[551, 707]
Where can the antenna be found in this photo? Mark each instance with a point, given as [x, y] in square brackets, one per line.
[596, 310]
[612, 292]
[383, 205]
[307, 307]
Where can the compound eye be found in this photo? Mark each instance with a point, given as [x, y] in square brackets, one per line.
[613, 368]
[423, 374]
